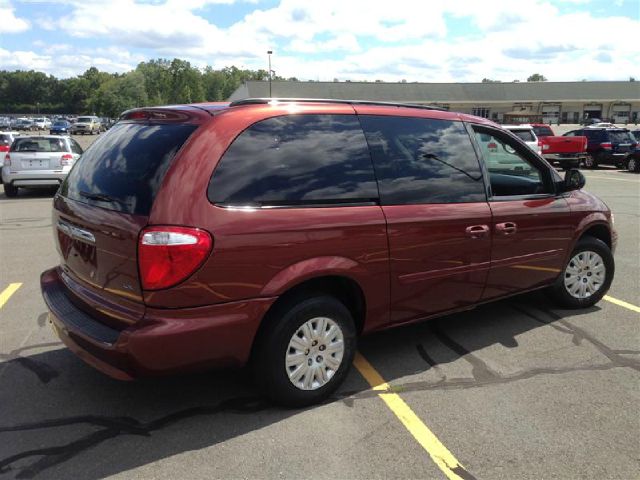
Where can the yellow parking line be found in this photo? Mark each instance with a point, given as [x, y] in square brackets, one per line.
[7, 292]
[442, 457]
[622, 303]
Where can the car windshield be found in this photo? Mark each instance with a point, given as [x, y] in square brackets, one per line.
[526, 135]
[543, 131]
[60, 124]
[84, 119]
[39, 145]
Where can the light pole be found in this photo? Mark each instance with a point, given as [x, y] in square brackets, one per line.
[269, 52]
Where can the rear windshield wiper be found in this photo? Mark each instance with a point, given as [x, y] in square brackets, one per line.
[100, 197]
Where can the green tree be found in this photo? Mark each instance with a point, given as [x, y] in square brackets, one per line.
[536, 77]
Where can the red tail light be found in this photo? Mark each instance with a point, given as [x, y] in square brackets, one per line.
[4, 148]
[169, 255]
[607, 145]
[66, 160]
[7, 160]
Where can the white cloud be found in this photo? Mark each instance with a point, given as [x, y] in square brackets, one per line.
[324, 40]
[9, 23]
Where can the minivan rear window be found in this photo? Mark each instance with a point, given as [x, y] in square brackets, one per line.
[124, 168]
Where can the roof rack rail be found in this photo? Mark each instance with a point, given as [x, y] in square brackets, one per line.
[263, 101]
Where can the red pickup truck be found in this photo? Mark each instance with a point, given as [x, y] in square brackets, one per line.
[568, 152]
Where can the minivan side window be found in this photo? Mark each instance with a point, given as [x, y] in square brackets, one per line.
[510, 172]
[423, 160]
[296, 160]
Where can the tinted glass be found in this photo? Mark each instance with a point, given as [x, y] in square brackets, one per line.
[5, 139]
[594, 134]
[543, 131]
[296, 159]
[525, 135]
[510, 173]
[124, 168]
[85, 119]
[621, 137]
[28, 144]
[75, 147]
[420, 160]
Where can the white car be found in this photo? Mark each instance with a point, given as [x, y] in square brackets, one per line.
[602, 125]
[42, 123]
[527, 135]
[38, 161]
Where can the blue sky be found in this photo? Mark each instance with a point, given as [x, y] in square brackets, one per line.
[435, 41]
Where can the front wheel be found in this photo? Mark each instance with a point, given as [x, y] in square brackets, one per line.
[587, 275]
[306, 350]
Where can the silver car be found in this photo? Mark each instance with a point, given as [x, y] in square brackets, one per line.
[38, 161]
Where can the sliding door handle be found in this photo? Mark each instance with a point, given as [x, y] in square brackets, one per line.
[477, 231]
[506, 228]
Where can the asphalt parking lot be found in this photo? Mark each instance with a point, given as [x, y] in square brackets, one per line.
[516, 389]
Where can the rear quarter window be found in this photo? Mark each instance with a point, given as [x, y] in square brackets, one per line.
[296, 160]
[621, 137]
[124, 168]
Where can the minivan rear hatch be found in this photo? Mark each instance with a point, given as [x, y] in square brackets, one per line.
[105, 202]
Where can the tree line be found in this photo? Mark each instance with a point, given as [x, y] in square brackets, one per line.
[156, 82]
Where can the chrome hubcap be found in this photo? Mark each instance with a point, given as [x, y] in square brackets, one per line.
[315, 353]
[588, 161]
[632, 164]
[585, 274]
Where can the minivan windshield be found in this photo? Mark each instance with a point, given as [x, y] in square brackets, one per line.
[124, 168]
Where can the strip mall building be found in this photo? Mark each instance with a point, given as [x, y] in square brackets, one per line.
[517, 102]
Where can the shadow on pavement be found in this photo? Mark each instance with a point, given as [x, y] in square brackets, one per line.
[61, 419]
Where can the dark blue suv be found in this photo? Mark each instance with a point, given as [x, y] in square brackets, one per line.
[606, 146]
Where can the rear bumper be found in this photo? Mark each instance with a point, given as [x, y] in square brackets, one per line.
[34, 178]
[162, 342]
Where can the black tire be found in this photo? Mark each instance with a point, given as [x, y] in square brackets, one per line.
[10, 190]
[590, 162]
[560, 292]
[271, 348]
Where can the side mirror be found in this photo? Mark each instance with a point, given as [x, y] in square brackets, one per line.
[573, 180]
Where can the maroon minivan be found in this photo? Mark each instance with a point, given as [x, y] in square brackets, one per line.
[275, 232]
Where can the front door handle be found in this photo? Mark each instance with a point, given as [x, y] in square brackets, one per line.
[477, 231]
[506, 228]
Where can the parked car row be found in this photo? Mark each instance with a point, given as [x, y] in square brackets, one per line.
[591, 146]
[609, 146]
[86, 124]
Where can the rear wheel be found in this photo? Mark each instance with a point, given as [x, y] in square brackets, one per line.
[305, 351]
[633, 165]
[590, 162]
[10, 190]
[587, 275]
